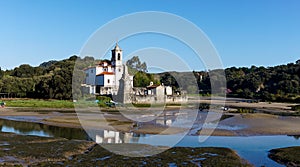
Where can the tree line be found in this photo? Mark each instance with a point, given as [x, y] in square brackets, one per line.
[278, 83]
[53, 80]
[50, 80]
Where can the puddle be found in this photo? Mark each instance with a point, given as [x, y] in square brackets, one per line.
[39, 129]
[10, 159]
[210, 154]
[24, 118]
[103, 158]
[225, 127]
[172, 164]
[5, 149]
[4, 144]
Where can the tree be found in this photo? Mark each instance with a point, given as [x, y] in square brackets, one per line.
[169, 80]
[142, 79]
[76, 83]
[1, 73]
[24, 71]
[42, 88]
[134, 65]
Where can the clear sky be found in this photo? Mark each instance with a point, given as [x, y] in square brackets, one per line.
[245, 32]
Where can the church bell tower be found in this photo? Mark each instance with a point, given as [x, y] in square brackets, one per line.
[117, 65]
[116, 56]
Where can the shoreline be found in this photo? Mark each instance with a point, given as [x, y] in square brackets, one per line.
[234, 124]
[257, 124]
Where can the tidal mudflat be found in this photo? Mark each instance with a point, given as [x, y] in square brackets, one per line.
[288, 156]
[48, 151]
[231, 132]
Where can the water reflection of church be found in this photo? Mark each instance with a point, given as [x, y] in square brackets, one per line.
[115, 137]
[109, 136]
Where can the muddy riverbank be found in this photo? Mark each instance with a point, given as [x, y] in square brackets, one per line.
[45, 151]
[247, 124]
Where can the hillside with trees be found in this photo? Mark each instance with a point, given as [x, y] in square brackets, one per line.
[53, 80]
[278, 83]
[50, 80]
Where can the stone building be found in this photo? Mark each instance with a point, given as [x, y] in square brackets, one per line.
[125, 90]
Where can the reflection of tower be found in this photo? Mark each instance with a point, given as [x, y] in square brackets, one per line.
[125, 87]
[166, 119]
[107, 136]
[128, 137]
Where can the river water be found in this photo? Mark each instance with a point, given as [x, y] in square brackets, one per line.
[253, 148]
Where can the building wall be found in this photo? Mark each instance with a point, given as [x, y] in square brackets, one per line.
[88, 89]
[105, 80]
[100, 80]
[147, 99]
[118, 75]
[160, 93]
[109, 68]
[168, 90]
[90, 76]
[99, 70]
[109, 81]
[94, 77]
[176, 99]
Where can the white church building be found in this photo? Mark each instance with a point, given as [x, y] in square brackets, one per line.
[104, 78]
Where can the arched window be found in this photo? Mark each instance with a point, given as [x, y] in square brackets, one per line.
[108, 81]
[119, 56]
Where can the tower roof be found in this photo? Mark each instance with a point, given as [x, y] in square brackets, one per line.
[117, 47]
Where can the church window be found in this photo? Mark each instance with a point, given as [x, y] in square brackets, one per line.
[119, 56]
[108, 81]
[119, 69]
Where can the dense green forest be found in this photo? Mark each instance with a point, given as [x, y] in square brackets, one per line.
[53, 80]
[278, 83]
[50, 80]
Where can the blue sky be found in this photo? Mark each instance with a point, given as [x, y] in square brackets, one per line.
[245, 33]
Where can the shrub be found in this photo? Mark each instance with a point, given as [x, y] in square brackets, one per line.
[296, 108]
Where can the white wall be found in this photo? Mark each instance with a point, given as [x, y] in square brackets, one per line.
[99, 70]
[169, 91]
[111, 79]
[118, 73]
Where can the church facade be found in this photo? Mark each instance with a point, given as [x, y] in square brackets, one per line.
[104, 78]
[112, 78]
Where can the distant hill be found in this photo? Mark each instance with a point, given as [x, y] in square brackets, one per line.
[47, 64]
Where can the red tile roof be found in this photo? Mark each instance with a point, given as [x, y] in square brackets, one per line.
[106, 73]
